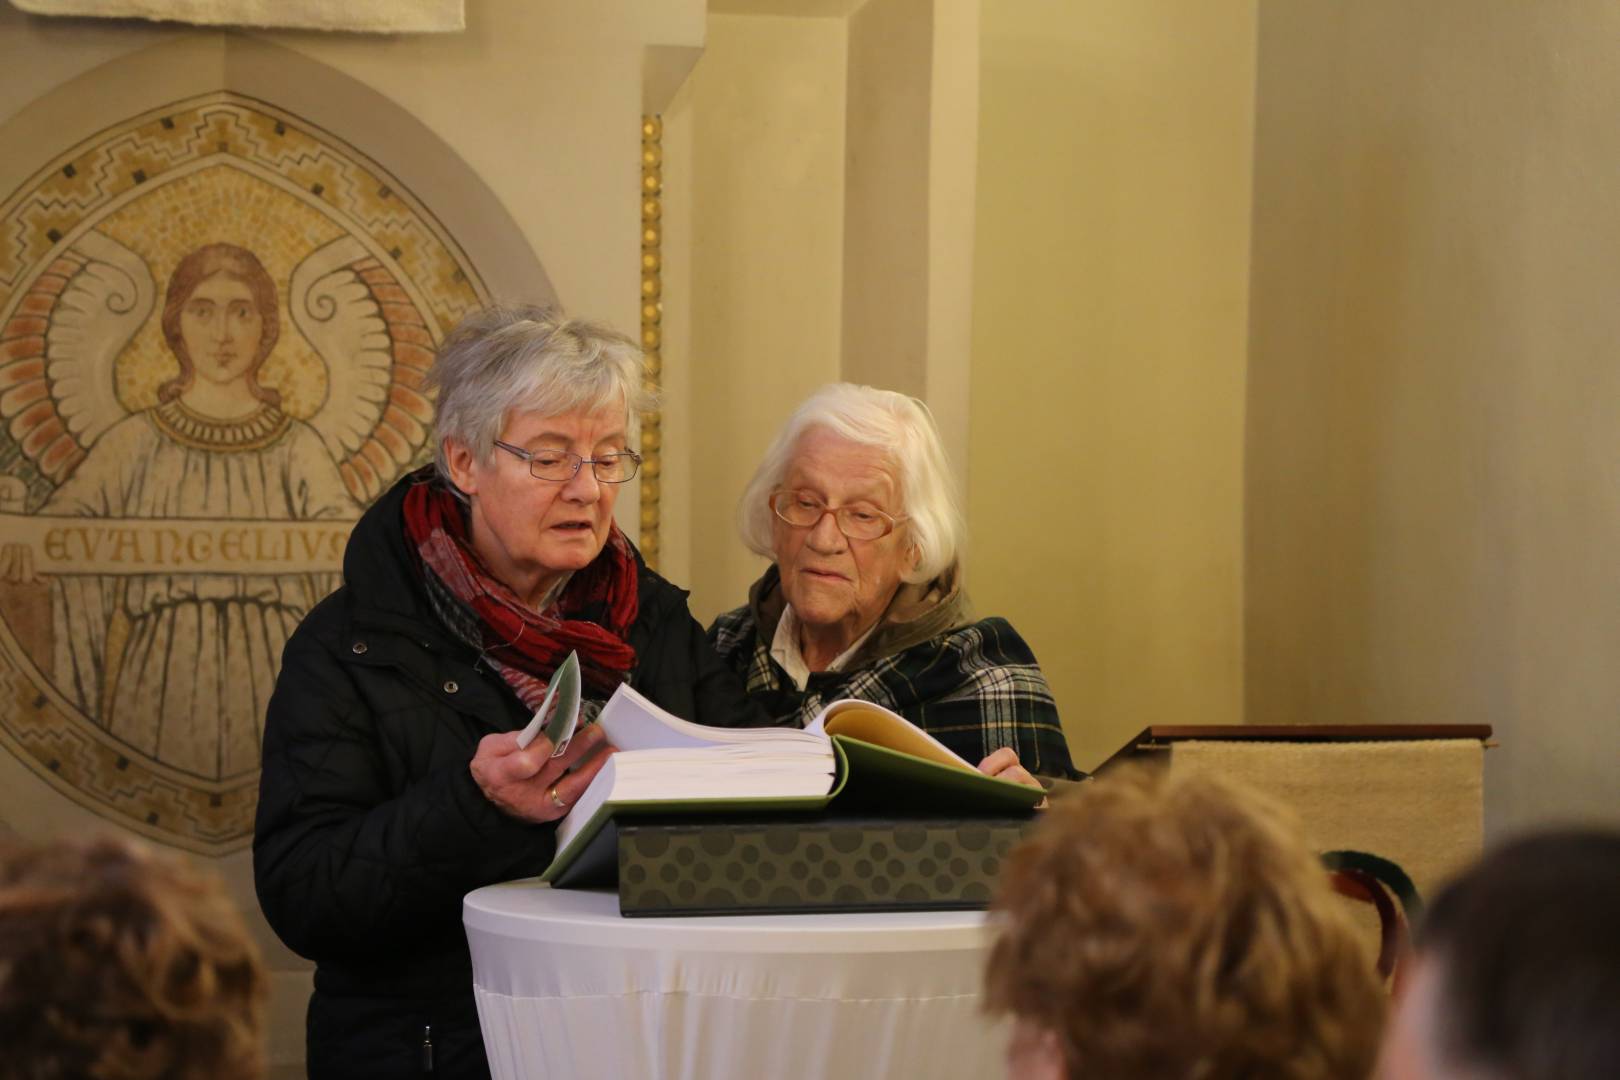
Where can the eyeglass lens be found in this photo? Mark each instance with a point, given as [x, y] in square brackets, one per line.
[858, 522]
[561, 465]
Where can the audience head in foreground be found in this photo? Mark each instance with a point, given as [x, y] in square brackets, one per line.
[120, 964]
[1518, 969]
[1177, 927]
[855, 506]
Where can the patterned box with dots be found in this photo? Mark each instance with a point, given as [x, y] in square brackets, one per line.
[726, 866]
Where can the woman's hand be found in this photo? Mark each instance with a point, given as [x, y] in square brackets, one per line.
[1004, 763]
[530, 784]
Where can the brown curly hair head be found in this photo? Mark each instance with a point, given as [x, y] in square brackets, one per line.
[1177, 927]
[120, 964]
[239, 264]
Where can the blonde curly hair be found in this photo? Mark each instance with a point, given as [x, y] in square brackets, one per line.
[1176, 926]
[120, 964]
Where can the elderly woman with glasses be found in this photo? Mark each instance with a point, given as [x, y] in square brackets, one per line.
[853, 505]
[392, 782]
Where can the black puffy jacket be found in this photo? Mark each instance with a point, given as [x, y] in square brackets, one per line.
[370, 827]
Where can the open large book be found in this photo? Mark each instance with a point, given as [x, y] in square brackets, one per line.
[854, 755]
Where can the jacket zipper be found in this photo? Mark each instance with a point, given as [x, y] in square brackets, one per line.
[427, 1048]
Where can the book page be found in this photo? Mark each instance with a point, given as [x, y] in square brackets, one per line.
[634, 723]
[874, 724]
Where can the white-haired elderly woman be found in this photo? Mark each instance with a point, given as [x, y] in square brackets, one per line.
[392, 783]
[855, 507]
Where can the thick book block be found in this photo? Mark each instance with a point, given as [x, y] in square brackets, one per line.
[799, 865]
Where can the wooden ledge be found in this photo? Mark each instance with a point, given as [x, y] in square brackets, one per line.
[1163, 736]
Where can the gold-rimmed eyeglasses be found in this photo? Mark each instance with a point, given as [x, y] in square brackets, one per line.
[561, 466]
[858, 521]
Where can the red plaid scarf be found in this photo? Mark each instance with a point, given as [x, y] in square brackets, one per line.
[591, 616]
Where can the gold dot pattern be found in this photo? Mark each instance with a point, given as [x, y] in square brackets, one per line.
[221, 204]
[652, 339]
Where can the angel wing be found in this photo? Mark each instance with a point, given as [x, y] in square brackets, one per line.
[57, 350]
[377, 349]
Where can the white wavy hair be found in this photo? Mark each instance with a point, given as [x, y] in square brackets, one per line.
[903, 428]
[529, 358]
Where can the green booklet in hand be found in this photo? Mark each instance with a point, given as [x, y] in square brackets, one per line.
[853, 756]
[558, 714]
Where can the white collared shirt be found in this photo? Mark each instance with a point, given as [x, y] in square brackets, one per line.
[785, 649]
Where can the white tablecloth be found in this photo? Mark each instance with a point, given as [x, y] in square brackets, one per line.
[568, 988]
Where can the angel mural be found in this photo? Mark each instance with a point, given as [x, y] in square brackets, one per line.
[179, 666]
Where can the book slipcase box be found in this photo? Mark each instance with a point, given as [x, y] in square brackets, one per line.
[799, 864]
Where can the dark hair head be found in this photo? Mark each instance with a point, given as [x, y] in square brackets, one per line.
[1528, 947]
[241, 265]
[118, 962]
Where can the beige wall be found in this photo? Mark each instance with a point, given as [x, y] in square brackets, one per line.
[1110, 306]
[953, 179]
[911, 172]
[763, 114]
[886, 248]
[1434, 504]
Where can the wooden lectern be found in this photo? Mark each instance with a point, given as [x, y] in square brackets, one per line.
[1413, 794]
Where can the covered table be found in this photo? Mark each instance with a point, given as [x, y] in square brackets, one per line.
[566, 987]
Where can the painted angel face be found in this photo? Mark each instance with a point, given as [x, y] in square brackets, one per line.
[221, 327]
[530, 531]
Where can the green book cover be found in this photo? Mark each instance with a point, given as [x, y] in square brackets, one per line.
[876, 778]
[581, 863]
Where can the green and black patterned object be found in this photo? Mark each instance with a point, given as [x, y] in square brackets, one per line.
[824, 864]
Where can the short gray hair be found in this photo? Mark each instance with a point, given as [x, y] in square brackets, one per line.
[903, 428]
[531, 358]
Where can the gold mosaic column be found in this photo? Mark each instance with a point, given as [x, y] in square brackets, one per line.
[652, 312]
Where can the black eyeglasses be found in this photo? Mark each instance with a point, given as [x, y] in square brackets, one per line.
[858, 521]
[561, 466]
